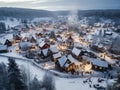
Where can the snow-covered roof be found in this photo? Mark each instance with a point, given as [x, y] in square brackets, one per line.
[3, 47]
[40, 40]
[45, 52]
[5, 37]
[54, 49]
[76, 51]
[100, 63]
[25, 44]
[34, 37]
[72, 59]
[57, 55]
[62, 60]
[67, 65]
[41, 44]
[96, 62]
[24, 35]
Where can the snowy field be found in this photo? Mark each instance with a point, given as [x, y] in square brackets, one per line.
[61, 83]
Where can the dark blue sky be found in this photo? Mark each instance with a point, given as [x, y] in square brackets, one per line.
[62, 4]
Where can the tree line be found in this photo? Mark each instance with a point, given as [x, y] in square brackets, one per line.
[23, 13]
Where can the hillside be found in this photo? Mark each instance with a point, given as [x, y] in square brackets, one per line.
[33, 13]
[24, 13]
[111, 13]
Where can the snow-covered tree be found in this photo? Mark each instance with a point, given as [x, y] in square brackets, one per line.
[35, 84]
[15, 80]
[3, 76]
[48, 82]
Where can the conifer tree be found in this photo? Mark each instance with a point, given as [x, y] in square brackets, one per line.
[15, 81]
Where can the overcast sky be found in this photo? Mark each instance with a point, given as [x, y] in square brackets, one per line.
[62, 4]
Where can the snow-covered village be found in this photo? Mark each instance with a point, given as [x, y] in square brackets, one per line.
[54, 50]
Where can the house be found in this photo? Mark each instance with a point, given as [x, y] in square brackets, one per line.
[54, 50]
[17, 37]
[97, 64]
[8, 43]
[72, 59]
[3, 49]
[32, 38]
[61, 62]
[24, 46]
[56, 56]
[74, 63]
[45, 53]
[76, 53]
[43, 45]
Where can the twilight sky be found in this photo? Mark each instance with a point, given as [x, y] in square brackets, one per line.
[62, 4]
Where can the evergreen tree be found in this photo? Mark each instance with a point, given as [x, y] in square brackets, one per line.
[15, 81]
[35, 84]
[3, 76]
[48, 82]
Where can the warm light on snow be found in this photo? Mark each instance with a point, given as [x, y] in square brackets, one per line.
[88, 67]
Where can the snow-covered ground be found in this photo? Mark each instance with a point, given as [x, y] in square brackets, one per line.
[61, 83]
[11, 23]
[75, 84]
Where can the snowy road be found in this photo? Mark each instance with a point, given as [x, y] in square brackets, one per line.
[52, 72]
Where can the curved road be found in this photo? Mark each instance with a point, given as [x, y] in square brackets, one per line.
[55, 73]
